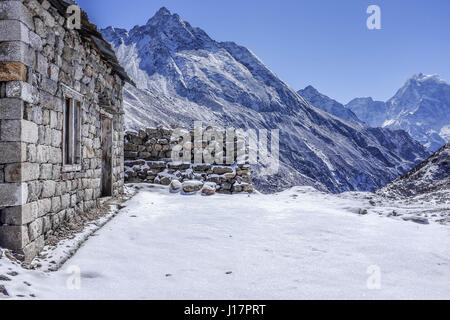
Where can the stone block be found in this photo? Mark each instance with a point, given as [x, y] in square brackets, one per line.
[15, 10]
[45, 206]
[12, 152]
[20, 215]
[13, 71]
[17, 51]
[13, 194]
[14, 237]
[65, 201]
[46, 171]
[21, 172]
[56, 204]
[19, 131]
[22, 90]
[35, 229]
[11, 109]
[14, 30]
[31, 250]
[48, 189]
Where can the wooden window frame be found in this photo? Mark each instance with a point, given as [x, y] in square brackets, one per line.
[73, 108]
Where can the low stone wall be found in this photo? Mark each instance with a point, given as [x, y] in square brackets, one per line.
[148, 158]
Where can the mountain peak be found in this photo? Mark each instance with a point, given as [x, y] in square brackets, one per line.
[162, 13]
[421, 77]
[311, 89]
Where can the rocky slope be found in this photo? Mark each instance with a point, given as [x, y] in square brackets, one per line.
[329, 105]
[183, 75]
[428, 181]
[421, 107]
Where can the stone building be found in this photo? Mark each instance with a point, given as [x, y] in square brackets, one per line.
[61, 121]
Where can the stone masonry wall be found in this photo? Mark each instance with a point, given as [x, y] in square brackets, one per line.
[148, 158]
[41, 62]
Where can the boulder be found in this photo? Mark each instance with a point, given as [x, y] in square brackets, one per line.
[192, 186]
[209, 188]
[175, 186]
[222, 170]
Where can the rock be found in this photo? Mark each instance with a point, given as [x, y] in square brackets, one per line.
[179, 166]
[419, 220]
[4, 278]
[201, 167]
[230, 175]
[3, 291]
[222, 170]
[363, 211]
[175, 186]
[209, 188]
[10, 71]
[192, 186]
[165, 181]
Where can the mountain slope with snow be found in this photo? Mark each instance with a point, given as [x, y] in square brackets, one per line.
[183, 75]
[329, 105]
[429, 180]
[421, 107]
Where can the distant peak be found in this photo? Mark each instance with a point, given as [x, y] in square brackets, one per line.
[163, 12]
[310, 89]
[160, 14]
[421, 77]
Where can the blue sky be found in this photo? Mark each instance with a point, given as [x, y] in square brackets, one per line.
[324, 43]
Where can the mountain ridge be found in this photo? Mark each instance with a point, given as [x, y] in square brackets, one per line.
[183, 76]
[421, 107]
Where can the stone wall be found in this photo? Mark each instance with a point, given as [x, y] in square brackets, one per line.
[41, 62]
[148, 158]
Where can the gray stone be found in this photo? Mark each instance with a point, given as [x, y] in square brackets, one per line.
[56, 204]
[11, 109]
[35, 229]
[14, 30]
[22, 90]
[48, 189]
[65, 201]
[13, 194]
[17, 51]
[45, 206]
[12, 152]
[15, 10]
[14, 237]
[20, 215]
[33, 248]
[21, 172]
[46, 171]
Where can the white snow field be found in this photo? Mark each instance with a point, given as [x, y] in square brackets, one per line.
[298, 244]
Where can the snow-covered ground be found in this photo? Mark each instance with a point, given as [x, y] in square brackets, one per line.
[299, 244]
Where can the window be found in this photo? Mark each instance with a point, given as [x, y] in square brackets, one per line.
[72, 145]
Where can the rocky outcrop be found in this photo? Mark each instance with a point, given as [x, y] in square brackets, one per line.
[428, 181]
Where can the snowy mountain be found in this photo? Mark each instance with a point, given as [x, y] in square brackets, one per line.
[371, 112]
[429, 181]
[421, 107]
[183, 75]
[327, 104]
